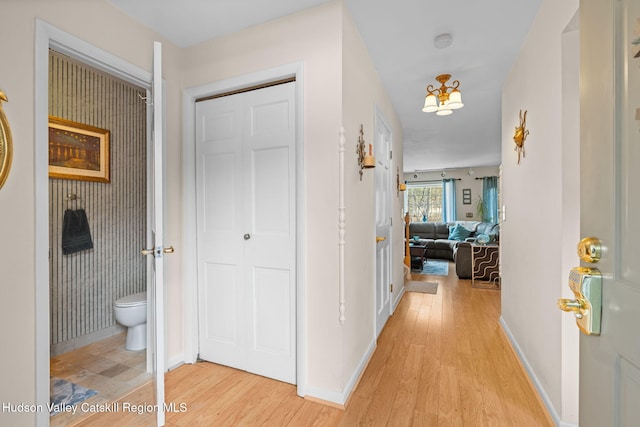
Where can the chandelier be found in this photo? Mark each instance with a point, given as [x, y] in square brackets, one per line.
[448, 99]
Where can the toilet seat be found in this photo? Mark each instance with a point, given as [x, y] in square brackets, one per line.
[133, 300]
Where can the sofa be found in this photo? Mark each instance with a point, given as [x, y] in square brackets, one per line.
[452, 241]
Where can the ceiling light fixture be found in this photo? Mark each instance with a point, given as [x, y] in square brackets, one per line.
[449, 98]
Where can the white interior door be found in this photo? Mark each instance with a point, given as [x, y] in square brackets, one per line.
[155, 293]
[610, 207]
[245, 192]
[382, 143]
[220, 230]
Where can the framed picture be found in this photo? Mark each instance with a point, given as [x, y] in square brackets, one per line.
[466, 196]
[78, 151]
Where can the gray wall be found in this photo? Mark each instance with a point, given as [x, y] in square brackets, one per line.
[84, 285]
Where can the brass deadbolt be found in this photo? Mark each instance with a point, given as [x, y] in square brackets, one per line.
[590, 249]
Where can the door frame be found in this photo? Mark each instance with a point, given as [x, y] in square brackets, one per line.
[189, 260]
[48, 36]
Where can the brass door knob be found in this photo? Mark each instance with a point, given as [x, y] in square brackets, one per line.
[152, 251]
[380, 239]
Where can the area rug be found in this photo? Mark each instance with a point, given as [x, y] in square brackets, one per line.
[436, 267]
[65, 394]
[424, 287]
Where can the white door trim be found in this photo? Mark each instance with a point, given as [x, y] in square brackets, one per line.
[49, 36]
[190, 291]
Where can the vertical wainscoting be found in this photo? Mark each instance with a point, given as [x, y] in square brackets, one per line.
[84, 285]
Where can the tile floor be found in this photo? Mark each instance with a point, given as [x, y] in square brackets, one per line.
[104, 366]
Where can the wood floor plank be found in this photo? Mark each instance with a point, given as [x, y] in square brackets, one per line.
[382, 401]
[316, 414]
[231, 392]
[404, 401]
[286, 410]
[356, 411]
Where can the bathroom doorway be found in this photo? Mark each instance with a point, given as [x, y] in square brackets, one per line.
[93, 265]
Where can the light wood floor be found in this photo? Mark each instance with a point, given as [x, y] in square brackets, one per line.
[441, 360]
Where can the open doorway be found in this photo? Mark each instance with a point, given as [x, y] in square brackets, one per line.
[98, 144]
[73, 330]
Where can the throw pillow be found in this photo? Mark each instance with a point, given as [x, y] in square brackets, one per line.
[458, 232]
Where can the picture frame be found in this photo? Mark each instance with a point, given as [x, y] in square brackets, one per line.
[466, 196]
[78, 151]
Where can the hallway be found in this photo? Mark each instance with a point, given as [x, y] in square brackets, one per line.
[441, 360]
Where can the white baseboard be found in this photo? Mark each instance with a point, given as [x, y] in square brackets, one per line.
[397, 299]
[533, 377]
[175, 361]
[340, 398]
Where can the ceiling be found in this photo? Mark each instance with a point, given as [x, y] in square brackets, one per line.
[399, 35]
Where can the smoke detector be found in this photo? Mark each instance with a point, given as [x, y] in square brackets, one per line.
[443, 41]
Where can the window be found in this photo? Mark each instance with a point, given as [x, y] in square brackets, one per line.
[424, 201]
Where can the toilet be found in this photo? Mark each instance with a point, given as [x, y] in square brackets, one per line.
[131, 311]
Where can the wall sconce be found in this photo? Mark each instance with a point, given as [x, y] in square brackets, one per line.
[399, 186]
[365, 161]
[521, 135]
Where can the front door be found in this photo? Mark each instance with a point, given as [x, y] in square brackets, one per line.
[610, 206]
[382, 143]
[246, 223]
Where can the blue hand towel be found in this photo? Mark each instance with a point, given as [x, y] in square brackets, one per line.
[76, 235]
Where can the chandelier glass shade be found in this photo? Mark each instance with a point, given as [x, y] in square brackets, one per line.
[444, 99]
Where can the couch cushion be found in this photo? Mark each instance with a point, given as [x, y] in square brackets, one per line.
[458, 232]
[445, 245]
[425, 230]
[442, 230]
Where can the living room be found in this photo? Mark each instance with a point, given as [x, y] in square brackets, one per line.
[449, 230]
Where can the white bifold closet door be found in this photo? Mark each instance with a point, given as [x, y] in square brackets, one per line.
[246, 223]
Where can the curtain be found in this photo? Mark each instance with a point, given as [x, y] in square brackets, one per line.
[490, 199]
[448, 200]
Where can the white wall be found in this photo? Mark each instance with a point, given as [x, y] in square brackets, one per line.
[95, 22]
[535, 246]
[362, 93]
[465, 181]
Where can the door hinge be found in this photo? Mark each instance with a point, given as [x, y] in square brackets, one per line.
[390, 154]
[391, 288]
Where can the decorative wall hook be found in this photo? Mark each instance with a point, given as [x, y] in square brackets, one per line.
[520, 135]
[365, 161]
[147, 99]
